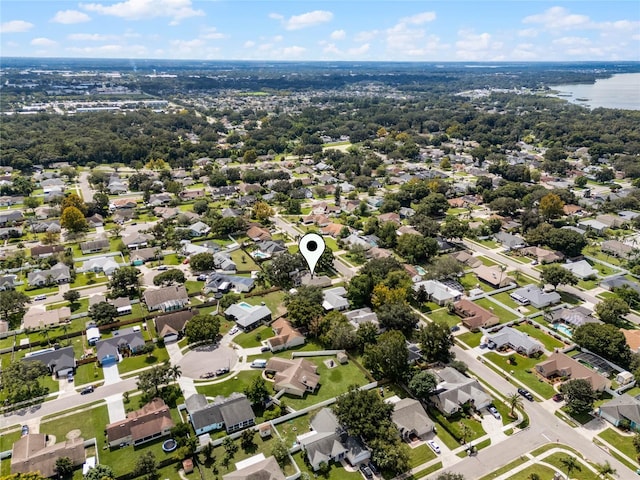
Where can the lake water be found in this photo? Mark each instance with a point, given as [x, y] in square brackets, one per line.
[619, 91]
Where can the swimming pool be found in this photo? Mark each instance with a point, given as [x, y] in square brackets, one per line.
[563, 329]
[260, 255]
[245, 305]
[420, 270]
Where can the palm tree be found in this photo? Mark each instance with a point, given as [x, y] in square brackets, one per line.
[533, 476]
[465, 432]
[175, 372]
[45, 335]
[605, 469]
[515, 401]
[570, 463]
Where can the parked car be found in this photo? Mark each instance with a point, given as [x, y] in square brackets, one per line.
[70, 377]
[434, 446]
[494, 411]
[208, 375]
[201, 278]
[366, 471]
[87, 390]
[25, 430]
[455, 328]
[163, 267]
[234, 330]
[265, 349]
[526, 394]
[222, 371]
[40, 297]
[558, 397]
[374, 469]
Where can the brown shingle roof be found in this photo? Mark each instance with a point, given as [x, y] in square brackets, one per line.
[474, 316]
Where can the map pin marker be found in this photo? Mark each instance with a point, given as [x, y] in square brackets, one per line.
[311, 247]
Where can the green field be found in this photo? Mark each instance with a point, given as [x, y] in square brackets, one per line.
[520, 372]
[503, 314]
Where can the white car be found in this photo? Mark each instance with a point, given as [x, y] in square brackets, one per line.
[434, 446]
[494, 411]
[234, 330]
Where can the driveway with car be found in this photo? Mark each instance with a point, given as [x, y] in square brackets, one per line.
[207, 358]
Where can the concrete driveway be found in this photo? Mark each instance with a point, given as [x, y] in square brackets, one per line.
[207, 358]
[111, 374]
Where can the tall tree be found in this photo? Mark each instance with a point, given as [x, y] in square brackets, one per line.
[556, 275]
[125, 282]
[579, 396]
[436, 341]
[570, 464]
[146, 465]
[389, 357]
[423, 384]
[103, 313]
[73, 220]
[612, 309]
[73, 200]
[202, 328]
[551, 206]
[605, 340]
[64, 467]
[515, 401]
[12, 301]
[304, 305]
[257, 392]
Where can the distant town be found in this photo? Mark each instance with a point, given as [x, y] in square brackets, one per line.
[475, 314]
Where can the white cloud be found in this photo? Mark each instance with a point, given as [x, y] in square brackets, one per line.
[70, 16]
[177, 10]
[558, 18]
[89, 37]
[212, 33]
[366, 36]
[15, 26]
[338, 35]
[419, 18]
[249, 44]
[525, 52]
[331, 49]
[304, 20]
[43, 42]
[278, 38]
[571, 41]
[359, 51]
[187, 45]
[293, 51]
[528, 33]
[478, 47]
[111, 50]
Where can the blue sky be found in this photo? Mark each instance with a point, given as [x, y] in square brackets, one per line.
[447, 30]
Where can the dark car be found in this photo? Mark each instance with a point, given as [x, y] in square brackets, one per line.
[86, 390]
[374, 469]
[25, 430]
[366, 471]
[558, 397]
[526, 394]
[208, 375]
[265, 349]
[222, 371]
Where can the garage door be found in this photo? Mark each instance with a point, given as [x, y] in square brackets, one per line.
[171, 338]
[64, 372]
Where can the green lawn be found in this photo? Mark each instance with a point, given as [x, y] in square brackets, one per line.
[336, 472]
[136, 362]
[254, 337]
[37, 291]
[595, 252]
[449, 428]
[570, 299]
[488, 243]
[91, 424]
[520, 372]
[193, 286]
[7, 438]
[88, 373]
[471, 338]
[548, 341]
[243, 261]
[470, 281]
[419, 455]
[624, 443]
[541, 470]
[503, 314]
[172, 259]
[443, 315]
[88, 279]
[237, 383]
[502, 470]
[583, 474]
[487, 261]
[503, 297]
[273, 300]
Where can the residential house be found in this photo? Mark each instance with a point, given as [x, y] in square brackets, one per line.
[620, 281]
[96, 220]
[37, 318]
[11, 232]
[125, 341]
[143, 255]
[10, 217]
[362, 315]
[57, 274]
[510, 241]
[159, 199]
[116, 186]
[106, 265]
[493, 275]
[226, 191]
[46, 226]
[581, 269]
[632, 337]
[407, 230]
[329, 442]
[269, 248]
[199, 229]
[136, 240]
[378, 253]
[593, 225]
[59, 362]
[389, 217]
[467, 259]
[474, 316]
[562, 365]
[43, 251]
[335, 299]
[622, 409]
[170, 327]
[218, 282]
[455, 389]
[122, 304]
[167, 299]
[522, 343]
[570, 209]
[122, 216]
[152, 421]
[123, 204]
[223, 262]
[295, 377]
[438, 292]
[166, 212]
[52, 185]
[321, 220]
[542, 255]
[617, 248]
[285, 336]
[574, 316]
[248, 317]
[534, 295]
[7, 282]
[34, 453]
[232, 413]
[411, 419]
[611, 221]
[189, 249]
[354, 239]
[187, 195]
[94, 246]
[258, 469]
